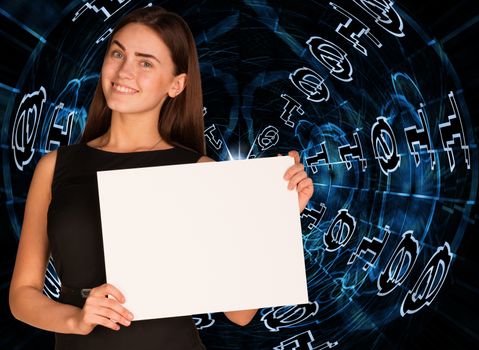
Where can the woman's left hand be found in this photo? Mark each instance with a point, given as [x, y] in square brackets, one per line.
[299, 179]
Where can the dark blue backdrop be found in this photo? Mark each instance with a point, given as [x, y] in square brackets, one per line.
[378, 97]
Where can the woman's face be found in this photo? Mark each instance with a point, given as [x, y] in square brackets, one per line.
[138, 72]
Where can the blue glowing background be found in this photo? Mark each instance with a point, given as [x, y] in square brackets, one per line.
[413, 64]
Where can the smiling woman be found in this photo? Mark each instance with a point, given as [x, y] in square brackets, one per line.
[146, 111]
[149, 70]
[136, 83]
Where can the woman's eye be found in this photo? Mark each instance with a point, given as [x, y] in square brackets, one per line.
[117, 54]
[146, 64]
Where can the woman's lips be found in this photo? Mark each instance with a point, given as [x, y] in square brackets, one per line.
[123, 89]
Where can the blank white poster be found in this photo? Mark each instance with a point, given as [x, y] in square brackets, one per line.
[204, 237]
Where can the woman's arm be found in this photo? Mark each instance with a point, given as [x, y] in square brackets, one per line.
[242, 317]
[27, 301]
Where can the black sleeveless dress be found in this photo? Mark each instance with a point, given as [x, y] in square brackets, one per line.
[74, 232]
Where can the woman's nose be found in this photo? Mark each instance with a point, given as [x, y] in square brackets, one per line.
[126, 70]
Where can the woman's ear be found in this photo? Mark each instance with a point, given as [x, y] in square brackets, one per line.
[179, 84]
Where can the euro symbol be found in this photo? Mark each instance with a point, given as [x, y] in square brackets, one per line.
[268, 138]
[25, 127]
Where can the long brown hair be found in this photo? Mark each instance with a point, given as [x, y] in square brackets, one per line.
[181, 118]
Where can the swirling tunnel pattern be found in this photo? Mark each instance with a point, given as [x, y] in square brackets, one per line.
[372, 104]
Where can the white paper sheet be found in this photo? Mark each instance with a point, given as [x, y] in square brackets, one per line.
[204, 237]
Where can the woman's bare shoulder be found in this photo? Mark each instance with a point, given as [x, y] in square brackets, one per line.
[46, 166]
[48, 160]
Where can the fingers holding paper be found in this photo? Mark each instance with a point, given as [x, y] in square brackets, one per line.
[298, 178]
[101, 310]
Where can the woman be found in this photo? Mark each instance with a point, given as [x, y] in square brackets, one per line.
[146, 111]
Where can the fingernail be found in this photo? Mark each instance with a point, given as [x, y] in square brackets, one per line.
[130, 316]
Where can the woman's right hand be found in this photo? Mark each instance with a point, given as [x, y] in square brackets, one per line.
[100, 310]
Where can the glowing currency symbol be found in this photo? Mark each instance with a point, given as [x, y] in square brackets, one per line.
[400, 264]
[289, 315]
[355, 151]
[429, 283]
[215, 142]
[384, 146]
[25, 127]
[268, 138]
[340, 231]
[374, 247]
[311, 84]
[106, 7]
[384, 15]
[288, 110]
[52, 284]
[353, 29]
[332, 57]
[59, 134]
[203, 321]
[322, 155]
[314, 215]
[452, 130]
[421, 138]
[104, 36]
[304, 341]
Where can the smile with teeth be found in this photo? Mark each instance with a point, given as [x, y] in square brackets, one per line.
[123, 89]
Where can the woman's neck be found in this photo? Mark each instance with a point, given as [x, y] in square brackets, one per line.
[130, 133]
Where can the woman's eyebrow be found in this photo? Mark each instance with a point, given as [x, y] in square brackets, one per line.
[147, 55]
[118, 43]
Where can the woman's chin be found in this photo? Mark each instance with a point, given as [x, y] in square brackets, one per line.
[122, 107]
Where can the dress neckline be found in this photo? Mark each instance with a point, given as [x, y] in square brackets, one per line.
[137, 152]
